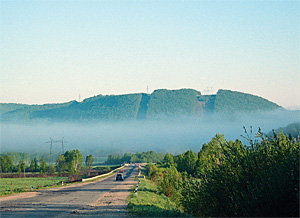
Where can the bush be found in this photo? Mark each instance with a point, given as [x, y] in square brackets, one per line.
[260, 180]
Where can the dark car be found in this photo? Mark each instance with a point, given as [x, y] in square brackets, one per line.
[119, 177]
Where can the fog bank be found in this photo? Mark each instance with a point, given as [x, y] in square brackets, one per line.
[100, 139]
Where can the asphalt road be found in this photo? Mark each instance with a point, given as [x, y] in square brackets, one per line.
[105, 197]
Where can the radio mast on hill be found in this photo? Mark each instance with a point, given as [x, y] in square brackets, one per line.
[208, 90]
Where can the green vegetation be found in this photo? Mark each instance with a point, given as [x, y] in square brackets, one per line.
[16, 185]
[227, 178]
[172, 102]
[144, 157]
[150, 203]
[17, 156]
[161, 103]
[7, 107]
[110, 107]
[89, 163]
[70, 161]
[230, 101]
[292, 130]
[22, 112]
[6, 163]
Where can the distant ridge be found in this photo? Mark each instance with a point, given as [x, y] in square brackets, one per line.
[161, 104]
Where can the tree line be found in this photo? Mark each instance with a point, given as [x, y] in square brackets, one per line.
[70, 161]
[161, 104]
[144, 157]
[228, 178]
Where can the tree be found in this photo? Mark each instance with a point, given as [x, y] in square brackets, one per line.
[189, 161]
[21, 166]
[210, 156]
[73, 160]
[246, 181]
[170, 182]
[89, 163]
[154, 173]
[35, 164]
[6, 163]
[168, 160]
[61, 164]
[134, 159]
[31, 166]
[43, 165]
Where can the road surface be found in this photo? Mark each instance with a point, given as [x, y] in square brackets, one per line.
[105, 197]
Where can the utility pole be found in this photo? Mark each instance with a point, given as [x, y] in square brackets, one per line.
[24, 163]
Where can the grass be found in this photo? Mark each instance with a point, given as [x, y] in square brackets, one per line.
[149, 203]
[16, 185]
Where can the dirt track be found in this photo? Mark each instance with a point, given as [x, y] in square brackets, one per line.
[105, 197]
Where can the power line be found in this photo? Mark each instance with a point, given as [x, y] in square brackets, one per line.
[56, 141]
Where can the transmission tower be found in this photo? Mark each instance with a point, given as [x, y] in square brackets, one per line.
[56, 141]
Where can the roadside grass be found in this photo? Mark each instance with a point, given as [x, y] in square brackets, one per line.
[10, 186]
[149, 203]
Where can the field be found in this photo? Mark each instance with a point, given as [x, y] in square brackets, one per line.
[15, 185]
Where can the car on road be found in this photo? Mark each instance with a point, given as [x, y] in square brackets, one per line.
[119, 177]
[121, 171]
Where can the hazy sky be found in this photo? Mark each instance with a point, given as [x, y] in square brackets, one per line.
[52, 51]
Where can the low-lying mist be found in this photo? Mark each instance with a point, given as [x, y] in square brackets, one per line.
[100, 139]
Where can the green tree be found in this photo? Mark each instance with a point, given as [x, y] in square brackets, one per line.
[35, 164]
[246, 181]
[210, 156]
[89, 163]
[6, 163]
[134, 159]
[21, 166]
[189, 161]
[154, 173]
[43, 165]
[168, 160]
[31, 166]
[170, 182]
[73, 160]
[61, 164]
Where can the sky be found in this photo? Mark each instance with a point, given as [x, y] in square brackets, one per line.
[54, 51]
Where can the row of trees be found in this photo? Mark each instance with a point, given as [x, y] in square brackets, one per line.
[7, 165]
[17, 156]
[144, 157]
[228, 178]
[70, 161]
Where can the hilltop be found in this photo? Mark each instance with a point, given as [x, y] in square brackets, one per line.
[161, 104]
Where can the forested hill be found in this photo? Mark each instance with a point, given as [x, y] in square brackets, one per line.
[160, 104]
